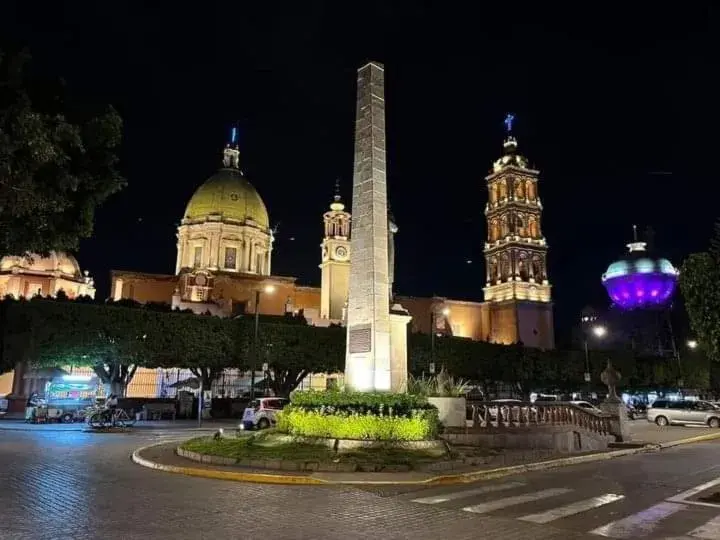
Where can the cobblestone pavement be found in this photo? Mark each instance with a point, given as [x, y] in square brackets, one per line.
[59, 485]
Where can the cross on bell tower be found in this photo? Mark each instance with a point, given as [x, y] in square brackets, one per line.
[516, 251]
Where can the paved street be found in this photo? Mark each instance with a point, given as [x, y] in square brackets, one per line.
[70, 484]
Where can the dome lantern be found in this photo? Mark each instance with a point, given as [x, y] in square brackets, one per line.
[638, 281]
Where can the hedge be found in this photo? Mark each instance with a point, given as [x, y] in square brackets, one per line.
[420, 425]
[360, 415]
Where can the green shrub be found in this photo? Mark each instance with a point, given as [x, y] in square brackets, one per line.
[360, 402]
[441, 385]
[417, 425]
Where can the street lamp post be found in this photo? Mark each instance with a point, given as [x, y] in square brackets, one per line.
[598, 331]
[269, 289]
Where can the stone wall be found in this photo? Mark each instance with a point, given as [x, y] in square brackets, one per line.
[563, 439]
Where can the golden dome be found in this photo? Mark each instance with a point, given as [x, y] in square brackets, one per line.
[228, 195]
[55, 262]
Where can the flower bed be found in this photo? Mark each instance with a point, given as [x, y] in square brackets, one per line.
[358, 415]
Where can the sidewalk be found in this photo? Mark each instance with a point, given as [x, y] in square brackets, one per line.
[647, 438]
[18, 424]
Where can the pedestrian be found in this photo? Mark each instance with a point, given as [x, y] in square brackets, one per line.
[111, 404]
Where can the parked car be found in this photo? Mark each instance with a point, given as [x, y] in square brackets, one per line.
[587, 405]
[683, 412]
[261, 413]
[3, 406]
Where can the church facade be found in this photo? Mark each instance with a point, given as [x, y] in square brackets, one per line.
[224, 256]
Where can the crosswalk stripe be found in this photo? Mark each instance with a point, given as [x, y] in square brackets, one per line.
[640, 524]
[709, 531]
[468, 493]
[572, 509]
[512, 501]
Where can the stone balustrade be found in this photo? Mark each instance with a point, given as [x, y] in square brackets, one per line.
[492, 416]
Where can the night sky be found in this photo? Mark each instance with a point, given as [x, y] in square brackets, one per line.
[617, 107]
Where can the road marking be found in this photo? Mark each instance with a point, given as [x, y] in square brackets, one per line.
[709, 531]
[572, 509]
[467, 493]
[640, 524]
[512, 501]
[682, 497]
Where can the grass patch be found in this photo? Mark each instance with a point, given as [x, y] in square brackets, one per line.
[261, 446]
[269, 445]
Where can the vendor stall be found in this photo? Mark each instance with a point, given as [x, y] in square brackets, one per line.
[66, 399]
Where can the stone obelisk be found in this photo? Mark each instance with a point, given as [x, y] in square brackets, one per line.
[367, 363]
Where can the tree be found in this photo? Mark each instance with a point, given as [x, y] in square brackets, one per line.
[699, 278]
[111, 340]
[204, 344]
[292, 351]
[56, 167]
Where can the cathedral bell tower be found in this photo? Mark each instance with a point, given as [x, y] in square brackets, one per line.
[335, 265]
[517, 286]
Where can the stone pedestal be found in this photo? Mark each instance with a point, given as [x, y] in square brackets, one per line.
[399, 319]
[452, 411]
[619, 427]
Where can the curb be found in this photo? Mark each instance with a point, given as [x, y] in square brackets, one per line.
[690, 440]
[444, 480]
[257, 478]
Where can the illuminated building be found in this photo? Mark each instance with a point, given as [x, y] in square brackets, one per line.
[224, 256]
[33, 275]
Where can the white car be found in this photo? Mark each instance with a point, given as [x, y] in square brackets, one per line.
[587, 405]
[261, 413]
[3, 406]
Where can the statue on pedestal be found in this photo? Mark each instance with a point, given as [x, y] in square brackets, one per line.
[611, 377]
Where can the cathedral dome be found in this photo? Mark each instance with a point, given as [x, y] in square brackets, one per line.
[55, 262]
[227, 195]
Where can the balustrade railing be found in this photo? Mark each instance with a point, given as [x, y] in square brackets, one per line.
[488, 416]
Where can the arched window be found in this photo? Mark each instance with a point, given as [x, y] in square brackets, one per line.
[523, 270]
[504, 267]
[538, 270]
[531, 195]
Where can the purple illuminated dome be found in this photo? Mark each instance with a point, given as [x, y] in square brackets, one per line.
[638, 281]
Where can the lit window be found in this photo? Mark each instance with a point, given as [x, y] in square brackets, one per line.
[230, 258]
[197, 256]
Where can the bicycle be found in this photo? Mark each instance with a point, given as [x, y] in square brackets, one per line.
[100, 419]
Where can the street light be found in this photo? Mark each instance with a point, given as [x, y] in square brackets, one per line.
[268, 289]
[692, 344]
[433, 329]
[598, 331]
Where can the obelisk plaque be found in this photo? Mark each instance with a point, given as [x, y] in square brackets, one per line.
[367, 364]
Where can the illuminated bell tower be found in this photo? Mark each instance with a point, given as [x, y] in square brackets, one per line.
[335, 265]
[517, 286]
